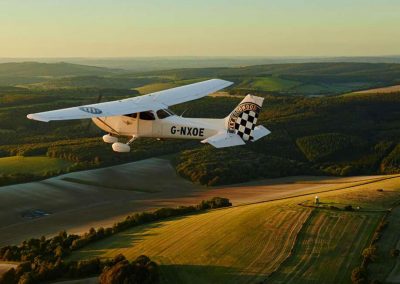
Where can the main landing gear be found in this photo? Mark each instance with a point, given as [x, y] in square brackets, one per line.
[123, 147]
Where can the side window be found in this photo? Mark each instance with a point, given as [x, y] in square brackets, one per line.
[161, 113]
[147, 115]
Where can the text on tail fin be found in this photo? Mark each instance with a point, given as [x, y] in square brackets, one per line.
[243, 119]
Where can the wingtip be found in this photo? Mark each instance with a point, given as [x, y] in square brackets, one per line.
[34, 116]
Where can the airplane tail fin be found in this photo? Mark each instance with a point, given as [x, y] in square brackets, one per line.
[243, 119]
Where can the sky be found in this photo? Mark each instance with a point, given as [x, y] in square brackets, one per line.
[122, 28]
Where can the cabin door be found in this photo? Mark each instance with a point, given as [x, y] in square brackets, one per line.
[146, 121]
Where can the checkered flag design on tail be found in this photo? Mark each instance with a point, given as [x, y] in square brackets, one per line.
[245, 124]
[243, 119]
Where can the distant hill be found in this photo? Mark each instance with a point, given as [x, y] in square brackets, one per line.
[144, 64]
[338, 72]
[36, 69]
[308, 79]
[298, 79]
[104, 82]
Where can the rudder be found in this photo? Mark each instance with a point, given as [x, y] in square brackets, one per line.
[243, 119]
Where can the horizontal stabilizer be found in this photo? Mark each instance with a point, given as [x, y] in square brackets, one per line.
[259, 132]
[224, 139]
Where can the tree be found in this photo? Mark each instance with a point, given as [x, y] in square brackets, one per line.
[370, 253]
[119, 273]
[142, 270]
[9, 277]
[359, 276]
[26, 278]
[395, 252]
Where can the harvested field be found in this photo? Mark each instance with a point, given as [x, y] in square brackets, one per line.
[94, 198]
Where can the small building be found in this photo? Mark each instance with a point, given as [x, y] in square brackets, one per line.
[317, 200]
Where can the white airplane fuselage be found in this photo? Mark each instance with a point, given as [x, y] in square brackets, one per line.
[172, 126]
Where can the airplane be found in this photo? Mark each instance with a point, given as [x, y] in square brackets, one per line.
[149, 116]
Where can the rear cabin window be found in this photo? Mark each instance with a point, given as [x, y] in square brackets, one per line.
[162, 113]
[147, 115]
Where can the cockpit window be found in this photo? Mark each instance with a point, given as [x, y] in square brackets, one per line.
[163, 113]
[133, 115]
[147, 115]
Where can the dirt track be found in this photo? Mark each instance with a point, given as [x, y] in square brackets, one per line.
[95, 198]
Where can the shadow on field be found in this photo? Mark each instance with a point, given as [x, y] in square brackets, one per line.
[124, 239]
[130, 237]
[185, 273]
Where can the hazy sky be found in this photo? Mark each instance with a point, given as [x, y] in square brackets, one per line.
[95, 28]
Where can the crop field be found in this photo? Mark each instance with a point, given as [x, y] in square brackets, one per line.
[384, 90]
[278, 241]
[240, 245]
[386, 265]
[37, 165]
[100, 197]
[328, 247]
[155, 87]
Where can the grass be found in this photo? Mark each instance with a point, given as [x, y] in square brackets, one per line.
[328, 247]
[111, 185]
[268, 84]
[155, 87]
[387, 266]
[33, 165]
[383, 90]
[223, 246]
[278, 241]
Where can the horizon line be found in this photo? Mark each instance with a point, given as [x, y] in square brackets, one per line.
[202, 56]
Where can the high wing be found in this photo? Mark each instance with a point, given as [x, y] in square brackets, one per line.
[153, 101]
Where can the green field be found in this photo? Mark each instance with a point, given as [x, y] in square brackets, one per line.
[155, 87]
[31, 165]
[279, 241]
[268, 84]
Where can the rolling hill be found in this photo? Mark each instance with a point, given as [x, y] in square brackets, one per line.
[276, 242]
[14, 73]
[297, 79]
[99, 82]
[27, 69]
[335, 135]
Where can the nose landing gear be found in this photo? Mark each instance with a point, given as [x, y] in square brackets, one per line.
[110, 139]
